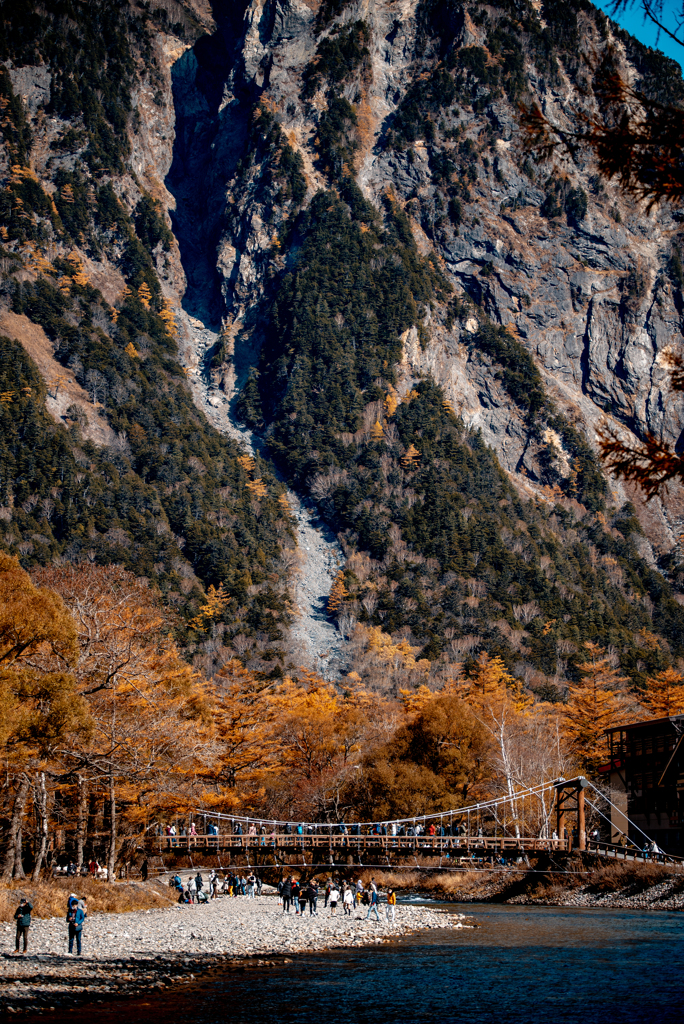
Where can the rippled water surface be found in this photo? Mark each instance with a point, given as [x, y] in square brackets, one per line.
[522, 964]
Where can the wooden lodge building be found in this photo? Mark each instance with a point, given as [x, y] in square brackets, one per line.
[646, 776]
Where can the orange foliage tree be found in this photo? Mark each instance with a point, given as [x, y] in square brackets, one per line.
[594, 704]
[143, 702]
[39, 707]
[664, 693]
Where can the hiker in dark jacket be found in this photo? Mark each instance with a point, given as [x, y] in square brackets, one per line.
[287, 893]
[199, 882]
[76, 915]
[22, 915]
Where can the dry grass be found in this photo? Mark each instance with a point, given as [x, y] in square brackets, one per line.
[49, 896]
[636, 877]
[442, 882]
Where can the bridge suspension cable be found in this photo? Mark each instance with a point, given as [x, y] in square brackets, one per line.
[478, 809]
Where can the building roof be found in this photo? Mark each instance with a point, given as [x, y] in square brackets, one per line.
[645, 723]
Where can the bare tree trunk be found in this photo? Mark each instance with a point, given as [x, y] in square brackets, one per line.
[111, 853]
[41, 802]
[82, 824]
[12, 855]
[18, 861]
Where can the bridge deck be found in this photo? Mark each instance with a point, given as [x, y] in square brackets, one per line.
[338, 847]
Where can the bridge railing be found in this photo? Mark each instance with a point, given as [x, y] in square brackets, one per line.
[425, 845]
[632, 853]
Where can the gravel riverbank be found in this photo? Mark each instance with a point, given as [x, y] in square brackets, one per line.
[134, 953]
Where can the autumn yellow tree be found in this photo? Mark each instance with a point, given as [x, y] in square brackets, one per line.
[39, 707]
[500, 705]
[144, 705]
[411, 458]
[338, 592]
[433, 762]
[664, 694]
[246, 746]
[595, 703]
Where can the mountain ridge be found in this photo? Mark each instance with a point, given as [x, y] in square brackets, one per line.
[513, 300]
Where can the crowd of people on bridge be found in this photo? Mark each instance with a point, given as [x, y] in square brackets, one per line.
[266, 832]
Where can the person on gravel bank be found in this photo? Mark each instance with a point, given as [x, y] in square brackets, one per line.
[286, 894]
[334, 897]
[22, 915]
[313, 899]
[76, 915]
[373, 908]
[391, 904]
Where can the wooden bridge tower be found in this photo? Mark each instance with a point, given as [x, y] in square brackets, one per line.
[570, 797]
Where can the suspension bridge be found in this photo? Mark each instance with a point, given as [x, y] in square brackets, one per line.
[547, 818]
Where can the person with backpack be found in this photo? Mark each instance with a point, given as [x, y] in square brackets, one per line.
[295, 896]
[22, 915]
[373, 905]
[303, 899]
[76, 915]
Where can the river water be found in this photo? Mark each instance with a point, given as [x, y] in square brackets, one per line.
[521, 965]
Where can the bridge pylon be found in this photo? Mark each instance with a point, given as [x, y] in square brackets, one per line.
[570, 797]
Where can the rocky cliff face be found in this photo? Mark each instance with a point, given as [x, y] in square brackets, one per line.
[536, 298]
[592, 299]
